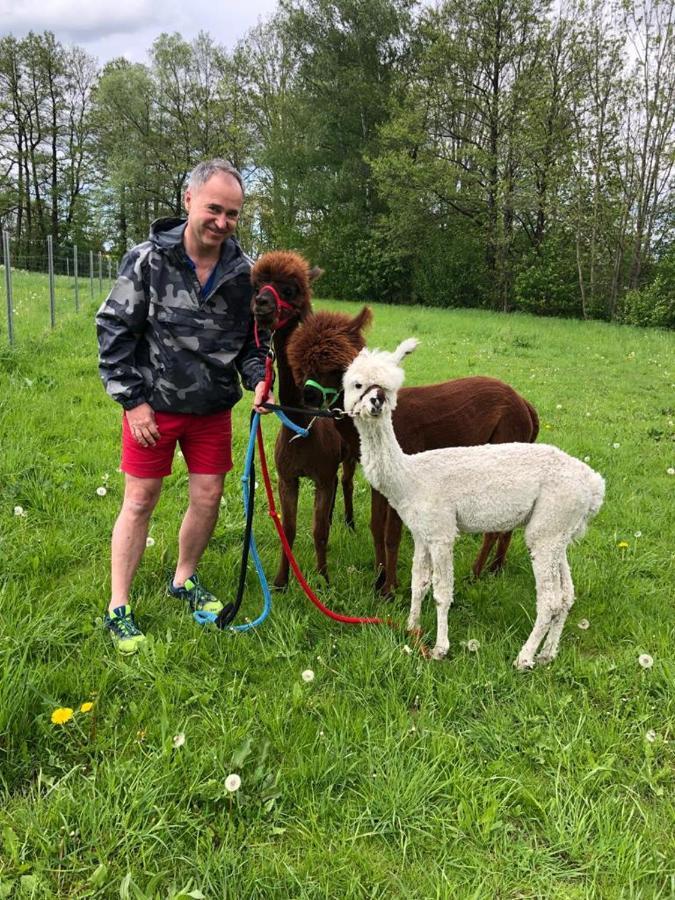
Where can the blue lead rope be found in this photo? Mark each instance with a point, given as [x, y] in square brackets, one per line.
[201, 616]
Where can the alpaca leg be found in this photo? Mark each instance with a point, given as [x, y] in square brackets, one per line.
[288, 500]
[323, 500]
[489, 540]
[550, 649]
[421, 580]
[503, 542]
[392, 541]
[546, 566]
[332, 502]
[348, 469]
[378, 518]
[442, 577]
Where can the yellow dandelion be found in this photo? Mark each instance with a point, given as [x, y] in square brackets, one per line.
[62, 715]
[623, 545]
[86, 707]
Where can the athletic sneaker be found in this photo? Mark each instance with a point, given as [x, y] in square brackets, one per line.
[126, 634]
[196, 595]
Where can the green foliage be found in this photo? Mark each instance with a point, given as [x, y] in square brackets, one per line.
[653, 304]
[388, 775]
[549, 284]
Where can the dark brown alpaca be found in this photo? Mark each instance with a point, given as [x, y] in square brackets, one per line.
[319, 455]
[456, 413]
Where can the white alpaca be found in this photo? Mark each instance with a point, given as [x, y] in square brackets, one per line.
[494, 487]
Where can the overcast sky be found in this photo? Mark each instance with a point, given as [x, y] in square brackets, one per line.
[109, 28]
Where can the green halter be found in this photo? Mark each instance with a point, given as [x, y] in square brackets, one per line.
[329, 394]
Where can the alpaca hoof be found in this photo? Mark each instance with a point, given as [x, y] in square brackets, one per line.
[379, 580]
[439, 653]
[279, 585]
[523, 663]
[543, 659]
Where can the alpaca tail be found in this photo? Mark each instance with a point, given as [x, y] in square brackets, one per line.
[535, 420]
[596, 484]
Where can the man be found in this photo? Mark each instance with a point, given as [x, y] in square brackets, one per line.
[174, 336]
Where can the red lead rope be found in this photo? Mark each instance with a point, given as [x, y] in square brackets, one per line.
[348, 620]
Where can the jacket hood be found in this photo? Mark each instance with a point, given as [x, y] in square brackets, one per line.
[167, 232]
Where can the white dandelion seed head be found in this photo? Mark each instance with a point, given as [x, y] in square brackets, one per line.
[307, 675]
[558, 406]
[179, 739]
[101, 491]
[645, 660]
[587, 459]
[670, 470]
[584, 624]
[232, 783]
[650, 736]
[473, 645]
[19, 511]
[638, 534]
[149, 542]
[105, 476]
[616, 445]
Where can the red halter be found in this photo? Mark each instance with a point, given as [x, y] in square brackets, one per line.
[281, 307]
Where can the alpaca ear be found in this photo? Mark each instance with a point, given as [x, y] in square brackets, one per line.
[314, 274]
[404, 348]
[361, 321]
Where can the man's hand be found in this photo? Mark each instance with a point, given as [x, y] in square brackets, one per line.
[142, 424]
[262, 396]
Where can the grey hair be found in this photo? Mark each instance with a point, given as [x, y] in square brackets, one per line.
[210, 167]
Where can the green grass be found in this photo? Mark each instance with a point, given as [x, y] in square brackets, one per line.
[387, 776]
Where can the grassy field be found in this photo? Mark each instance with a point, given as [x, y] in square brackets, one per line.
[30, 295]
[385, 776]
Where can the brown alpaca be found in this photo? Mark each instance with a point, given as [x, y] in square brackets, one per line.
[456, 413]
[319, 455]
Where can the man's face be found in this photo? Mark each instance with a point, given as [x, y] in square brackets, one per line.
[213, 211]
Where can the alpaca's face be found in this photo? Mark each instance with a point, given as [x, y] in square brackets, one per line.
[282, 288]
[371, 384]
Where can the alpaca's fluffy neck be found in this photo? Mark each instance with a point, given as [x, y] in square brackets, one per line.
[384, 463]
[288, 392]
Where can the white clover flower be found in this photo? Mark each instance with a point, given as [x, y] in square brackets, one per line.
[588, 415]
[584, 624]
[307, 675]
[473, 645]
[149, 542]
[179, 739]
[587, 459]
[670, 470]
[105, 476]
[650, 736]
[20, 511]
[558, 406]
[645, 660]
[616, 445]
[232, 783]
[638, 534]
[101, 491]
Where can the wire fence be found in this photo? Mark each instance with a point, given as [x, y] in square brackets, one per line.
[49, 287]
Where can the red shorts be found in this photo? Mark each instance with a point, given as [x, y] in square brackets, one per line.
[206, 442]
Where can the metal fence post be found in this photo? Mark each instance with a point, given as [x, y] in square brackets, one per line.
[50, 268]
[91, 273]
[109, 270]
[100, 272]
[77, 287]
[8, 286]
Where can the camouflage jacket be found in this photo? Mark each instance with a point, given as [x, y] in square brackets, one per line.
[160, 342]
